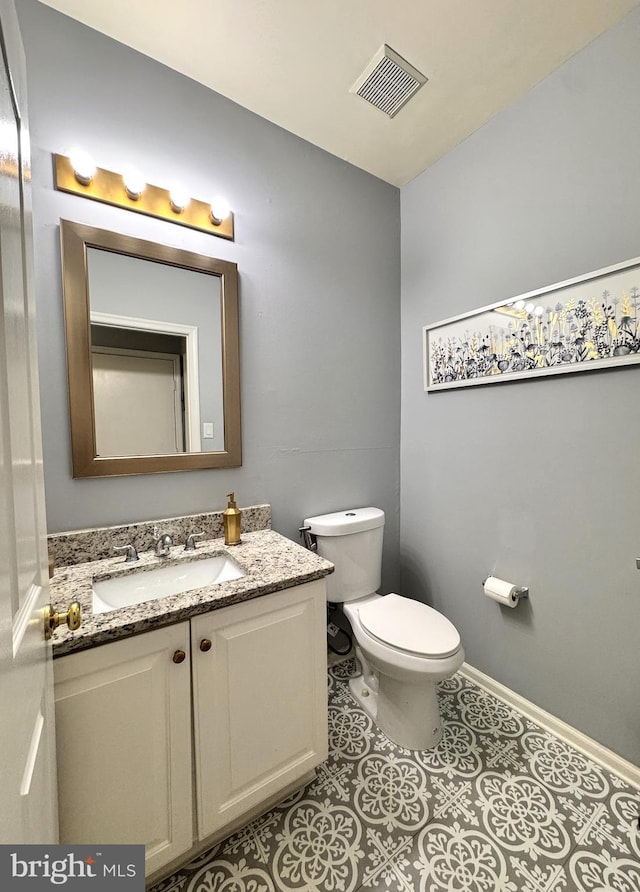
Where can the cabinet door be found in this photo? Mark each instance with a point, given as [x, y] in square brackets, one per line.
[123, 722]
[260, 700]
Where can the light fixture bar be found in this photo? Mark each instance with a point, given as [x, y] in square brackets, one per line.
[108, 187]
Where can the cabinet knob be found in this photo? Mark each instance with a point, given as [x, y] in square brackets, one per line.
[179, 656]
[205, 645]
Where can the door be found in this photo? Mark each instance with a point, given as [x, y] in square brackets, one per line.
[123, 714]
[259, 699]
[138, 402]
[28, 810]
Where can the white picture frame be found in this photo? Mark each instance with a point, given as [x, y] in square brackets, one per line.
[589, 322]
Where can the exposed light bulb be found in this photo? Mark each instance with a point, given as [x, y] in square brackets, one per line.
[539, 311]
[530, 308]
[8, 139]
[134, 183]
[519, 305]
[179, 198]
[84, 167]
[220, 210]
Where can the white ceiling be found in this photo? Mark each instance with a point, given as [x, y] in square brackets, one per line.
[293, 62]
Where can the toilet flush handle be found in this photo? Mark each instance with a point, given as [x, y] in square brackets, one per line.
[308, 539]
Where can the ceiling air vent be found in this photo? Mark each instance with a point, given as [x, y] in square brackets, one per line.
[388, 81]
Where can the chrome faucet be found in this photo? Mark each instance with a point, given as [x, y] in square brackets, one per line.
[163, 543]
[130, 552]
[190, 544]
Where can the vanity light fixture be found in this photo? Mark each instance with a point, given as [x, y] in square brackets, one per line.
[83, 165]
[77, 173]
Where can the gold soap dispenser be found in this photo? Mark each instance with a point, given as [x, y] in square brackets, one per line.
[232, 518]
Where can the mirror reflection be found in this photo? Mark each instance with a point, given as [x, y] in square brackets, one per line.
[152, 353]
[155, 335]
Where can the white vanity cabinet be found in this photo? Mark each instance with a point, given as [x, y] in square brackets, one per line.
[260, 700]
[255, 673]
[123, 740]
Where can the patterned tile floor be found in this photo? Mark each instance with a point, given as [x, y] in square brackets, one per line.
[500, 805]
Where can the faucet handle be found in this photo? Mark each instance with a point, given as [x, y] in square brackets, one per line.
[131, 553]
[190, 544]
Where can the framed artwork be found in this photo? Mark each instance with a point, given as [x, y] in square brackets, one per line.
[589, 322]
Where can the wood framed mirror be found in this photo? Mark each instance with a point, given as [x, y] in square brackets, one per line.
[153, 362]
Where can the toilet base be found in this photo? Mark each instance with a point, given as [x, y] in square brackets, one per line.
[409, 715]
[365, 696]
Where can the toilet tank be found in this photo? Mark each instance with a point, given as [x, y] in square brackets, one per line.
[352, 540]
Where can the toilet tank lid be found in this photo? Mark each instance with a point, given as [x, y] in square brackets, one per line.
[343, 523]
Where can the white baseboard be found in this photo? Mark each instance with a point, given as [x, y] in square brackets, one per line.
[586, 745]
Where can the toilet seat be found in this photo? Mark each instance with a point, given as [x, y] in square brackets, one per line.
[409, 626]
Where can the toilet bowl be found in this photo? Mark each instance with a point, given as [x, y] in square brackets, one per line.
[403, 647]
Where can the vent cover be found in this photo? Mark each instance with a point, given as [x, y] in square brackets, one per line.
[388, 81]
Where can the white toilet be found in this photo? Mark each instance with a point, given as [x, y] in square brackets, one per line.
[404, 647]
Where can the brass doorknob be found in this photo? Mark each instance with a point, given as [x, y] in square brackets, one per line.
[205, 645]
[52, 619]
[179, 656]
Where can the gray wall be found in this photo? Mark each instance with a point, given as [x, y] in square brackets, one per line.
[317, 246]
[537, 481]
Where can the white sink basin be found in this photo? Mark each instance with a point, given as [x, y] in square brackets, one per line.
[136, 587]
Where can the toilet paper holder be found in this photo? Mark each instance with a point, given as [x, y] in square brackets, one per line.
[520, 592]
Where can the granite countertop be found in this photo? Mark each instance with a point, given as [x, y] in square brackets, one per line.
[271, 562]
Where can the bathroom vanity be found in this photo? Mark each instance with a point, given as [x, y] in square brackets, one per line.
[182, 717]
